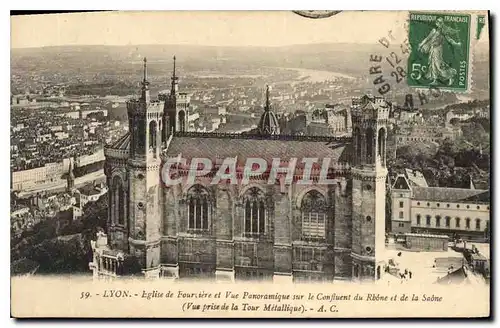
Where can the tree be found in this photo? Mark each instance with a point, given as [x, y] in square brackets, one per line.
[95, 217]
[131, 266]
[60, 254]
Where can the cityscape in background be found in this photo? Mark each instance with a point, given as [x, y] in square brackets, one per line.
[69, 115]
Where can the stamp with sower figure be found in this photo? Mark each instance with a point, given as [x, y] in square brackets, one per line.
[440, 54]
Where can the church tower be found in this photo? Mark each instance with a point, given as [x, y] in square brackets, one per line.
[369, 173]
[268, 124]
[176, 110]
[145, 126]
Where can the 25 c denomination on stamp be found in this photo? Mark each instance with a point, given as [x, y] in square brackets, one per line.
[440, 51]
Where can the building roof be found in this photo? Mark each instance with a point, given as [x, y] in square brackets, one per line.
[459, 276]
[416, 178]
[479, 257]
[426, 235]
[295, 125]
[451, 194]
[89, 190]
[243, 146]
[401, 183]
[483, 197]
[19, 207]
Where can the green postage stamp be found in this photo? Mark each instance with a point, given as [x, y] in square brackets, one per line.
[440, 51]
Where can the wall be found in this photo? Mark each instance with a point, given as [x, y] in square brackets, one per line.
[398, 224]
[426, 243]
[274, 252]
[89, 159]
[453, 210]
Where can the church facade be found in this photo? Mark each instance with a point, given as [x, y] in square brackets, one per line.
[288, 230]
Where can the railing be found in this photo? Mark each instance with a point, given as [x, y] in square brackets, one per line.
[116, 153]
[258, 136]
[110, 266]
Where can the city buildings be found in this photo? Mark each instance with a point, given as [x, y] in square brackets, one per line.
[86, 194]
[425, 133]
[280, 231]
[456, 212]
[51, 173]
[221, 246]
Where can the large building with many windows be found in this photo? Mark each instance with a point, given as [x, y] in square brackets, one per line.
[290, 229]
[456, 212]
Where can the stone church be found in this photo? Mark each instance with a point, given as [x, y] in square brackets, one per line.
[284, 231]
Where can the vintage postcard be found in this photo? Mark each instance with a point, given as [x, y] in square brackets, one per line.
[250, 164]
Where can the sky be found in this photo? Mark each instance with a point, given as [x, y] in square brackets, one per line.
[216, 28]
[257, 28]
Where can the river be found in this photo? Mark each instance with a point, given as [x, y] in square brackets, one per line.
[312, 75]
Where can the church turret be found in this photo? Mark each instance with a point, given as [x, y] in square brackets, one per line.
[175, 82]
[269, 123]
[145, 122]
[145, 96]
[144, 218]
[70, 179]
[176, 109]
[369, 174]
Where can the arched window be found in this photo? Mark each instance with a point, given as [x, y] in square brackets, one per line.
[166, 129]
[118, 207]
[457, 222]
[198, 206]
[438, 220]
[381, 145]
[357, 140]
[313, 209]
[121, 208]
[140, 135]
[170, 123]
[356, 271]
[427, 220]
[152, 134]
[478, 224]
[255, 212]
[418, 219]
[182, 121]
[160, 128]
[369, 145]
[447, 221]
[467, 223]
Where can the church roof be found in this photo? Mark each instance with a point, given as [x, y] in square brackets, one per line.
[221, 145]
[210, 145]
[269, 123]
[122, 143]
[451, 194]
